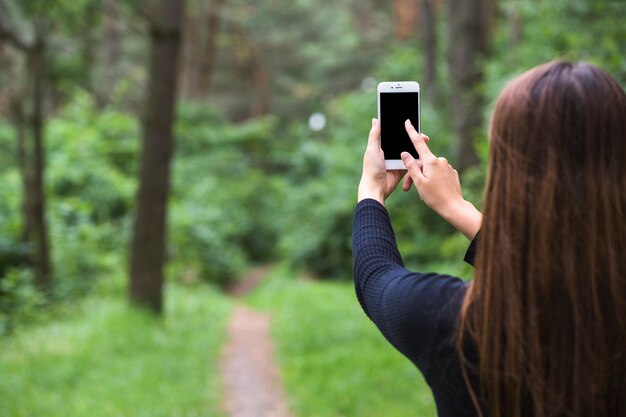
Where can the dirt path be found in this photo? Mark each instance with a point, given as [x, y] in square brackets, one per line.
[250, 282]
[249, 373]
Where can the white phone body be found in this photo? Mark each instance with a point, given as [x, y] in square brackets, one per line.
[394, 162]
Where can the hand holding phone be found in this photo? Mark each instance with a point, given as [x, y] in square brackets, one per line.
[397, 102]
[377, 182]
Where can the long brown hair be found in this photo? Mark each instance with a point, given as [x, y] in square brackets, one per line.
[546, 311]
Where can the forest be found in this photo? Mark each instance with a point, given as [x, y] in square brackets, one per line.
[156, 154]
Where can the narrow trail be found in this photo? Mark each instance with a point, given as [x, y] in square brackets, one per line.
[250, 376]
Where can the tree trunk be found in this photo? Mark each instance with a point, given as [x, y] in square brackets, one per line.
[148, 242]
[30, 121]
[428, 30]
[36, 224]
[256, 73]
[89, 48]
[405, 18]
[19, 123]
[207, 61]
[111, 46]
[515, 22]
[469, 24]
[189, 56]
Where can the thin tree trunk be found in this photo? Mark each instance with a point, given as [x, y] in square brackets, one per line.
[111, 46]
[31, 147]
[148, 241]
[516, 25]
[428, 30]
[88, 47]
[36, 199]
[191, 50]
[260, 81]
[207, 61]
[405, 18]
[257, 72]
[364, 16]
[469, 23]
[19, 123]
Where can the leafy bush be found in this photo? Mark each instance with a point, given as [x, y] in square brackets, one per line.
[223, 200]
[317, 224]
[20, 301]
[92, 162]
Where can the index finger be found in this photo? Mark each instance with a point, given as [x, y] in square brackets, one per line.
[418, 141]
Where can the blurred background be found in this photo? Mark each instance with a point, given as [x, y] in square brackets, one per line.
[114, 196]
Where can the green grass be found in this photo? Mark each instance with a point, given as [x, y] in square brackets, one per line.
[334, 361]
[111, 360]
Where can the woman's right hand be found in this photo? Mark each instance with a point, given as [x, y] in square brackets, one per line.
[438, 184]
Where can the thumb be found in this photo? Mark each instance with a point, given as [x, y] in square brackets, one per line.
[413, 167]
[373, 139]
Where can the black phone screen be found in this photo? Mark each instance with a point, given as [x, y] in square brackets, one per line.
[395, 108]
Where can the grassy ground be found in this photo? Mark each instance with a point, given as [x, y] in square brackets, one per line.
[334, 361]
[110, 360]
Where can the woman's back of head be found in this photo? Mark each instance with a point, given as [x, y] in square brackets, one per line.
[547, 308]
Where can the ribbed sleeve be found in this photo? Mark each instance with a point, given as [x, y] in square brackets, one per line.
[374, 249]
[416, 312]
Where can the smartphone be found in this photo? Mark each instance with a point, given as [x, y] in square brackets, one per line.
[397, 101]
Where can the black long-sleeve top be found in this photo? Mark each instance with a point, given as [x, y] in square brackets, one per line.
[416, 312]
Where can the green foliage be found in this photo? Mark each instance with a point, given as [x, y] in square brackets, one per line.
[223, 199]
[10, 206]
[20, 301]
[312, 50]
[263, 188]
[91, 186]
[334, 361]
[547, 37]
[325, 174]
[108, 359]
[318, 214]
[243, 191]
[223, 202]
[578, 30]
[7, 146]
[318, 220]
[92, 161]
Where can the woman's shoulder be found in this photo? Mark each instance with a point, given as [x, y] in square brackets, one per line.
[419, 308]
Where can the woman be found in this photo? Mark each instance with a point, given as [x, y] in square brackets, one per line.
[541, 329]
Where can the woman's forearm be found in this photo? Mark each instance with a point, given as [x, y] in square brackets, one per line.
[374, 250]
[463, 216]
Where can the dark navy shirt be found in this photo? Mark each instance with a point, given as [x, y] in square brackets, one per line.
[416, 312]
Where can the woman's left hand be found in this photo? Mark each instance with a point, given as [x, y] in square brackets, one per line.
[376, 182]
